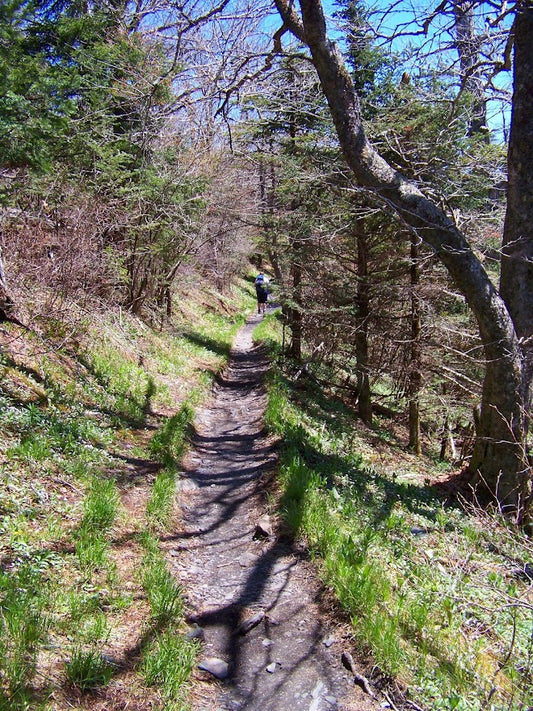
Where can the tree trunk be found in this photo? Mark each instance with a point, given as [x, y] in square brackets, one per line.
[295, 312]
[500, 424]
[516, 283]
[361, 338]
[6, 302]
[415, 375]
[468, 45]
[499, 463]
[267, 210]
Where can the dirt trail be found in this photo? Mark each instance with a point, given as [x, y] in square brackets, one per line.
[291, 660]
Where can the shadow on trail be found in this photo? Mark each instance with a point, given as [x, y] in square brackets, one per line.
[246, 370]
[239, 572]
[236, 649]
[276, 560]
[241, 461]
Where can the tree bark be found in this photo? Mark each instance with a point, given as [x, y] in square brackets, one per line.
[6, 302]
[267, 191]
[295, 312]
[516, 283]
[499, 463]
[415, 374]
[361, 339]
[468, 46]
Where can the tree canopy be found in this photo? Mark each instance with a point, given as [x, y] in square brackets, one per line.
[153, 139]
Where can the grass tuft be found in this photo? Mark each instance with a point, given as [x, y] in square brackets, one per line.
[168, 663]
[168, 658]
[100, 506]
[88, 669]
[164, 594]
[168, 444]
[23, 628]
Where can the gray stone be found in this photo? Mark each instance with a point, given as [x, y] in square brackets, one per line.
[248, 559]
[195, 632]
[215, 666]
[263, 527]
[318, 690]
[416, 531]
[250, 623]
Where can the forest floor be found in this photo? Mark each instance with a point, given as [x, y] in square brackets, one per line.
[272, 640]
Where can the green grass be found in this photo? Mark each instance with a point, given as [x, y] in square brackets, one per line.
[64, 414]
[23, 626]
[168, 446]
[119, 380]
[88, 669]
[168, 663]
[267, 331]
[160, 504]
[429, 586]
[168, 657]
[164, 594]
[91, 551]
[100, 505]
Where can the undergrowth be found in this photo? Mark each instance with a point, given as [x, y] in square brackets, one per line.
[168, 656]
[439, 593]
[77, 417]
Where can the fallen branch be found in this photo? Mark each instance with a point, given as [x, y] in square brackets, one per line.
[305, 366]
[359, 679]
[250, 623]
[390, 701]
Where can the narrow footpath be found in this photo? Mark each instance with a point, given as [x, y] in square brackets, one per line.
[254, 599]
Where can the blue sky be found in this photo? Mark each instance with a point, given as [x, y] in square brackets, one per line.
[388, 17]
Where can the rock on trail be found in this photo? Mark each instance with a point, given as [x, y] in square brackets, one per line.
[253, 598]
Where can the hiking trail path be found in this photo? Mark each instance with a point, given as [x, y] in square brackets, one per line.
[235, 568]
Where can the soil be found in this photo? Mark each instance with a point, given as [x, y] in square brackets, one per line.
[236, 566]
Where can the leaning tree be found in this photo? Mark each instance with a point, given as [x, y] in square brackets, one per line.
[499, 467]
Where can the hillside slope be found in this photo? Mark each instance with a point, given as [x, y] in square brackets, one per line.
[94, 411]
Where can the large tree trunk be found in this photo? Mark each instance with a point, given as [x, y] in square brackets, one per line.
[516, 284]
[497, 423]
[499, 464]
[502, 429]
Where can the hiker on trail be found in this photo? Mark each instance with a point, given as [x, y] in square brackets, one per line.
[261, 289]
